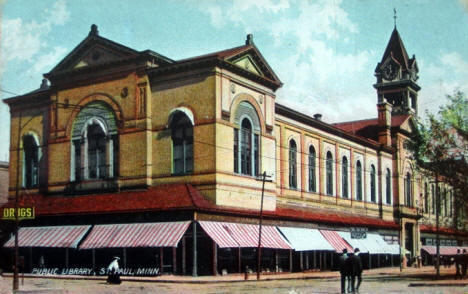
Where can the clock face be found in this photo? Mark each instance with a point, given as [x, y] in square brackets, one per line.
[390, 71]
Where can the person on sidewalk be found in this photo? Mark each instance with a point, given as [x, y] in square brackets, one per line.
[458, 265]
[356, 264]
[344, 272]
[113, 269]
[464, 263]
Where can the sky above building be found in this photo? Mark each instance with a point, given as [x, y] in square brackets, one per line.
[324, 51]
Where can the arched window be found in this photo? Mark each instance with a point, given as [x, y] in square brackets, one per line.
[344, 177]
[434, 200]
[451, 203]
[94, 146]
[373, 193]
[358, 181]
[31, 162]
[408, 190]
[182, 143]
[329, 173]
[246, 140]
[292, 164]
[426, 198]
[312, 177]
[444, 195]
[388, 186]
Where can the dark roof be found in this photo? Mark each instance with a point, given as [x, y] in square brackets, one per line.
[180, 197]
[442, 230]
[368, 128]
[396, 49]
[330, 128]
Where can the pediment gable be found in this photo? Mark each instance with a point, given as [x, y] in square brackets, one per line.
[94, 50]
[252, 60]
[409, 125]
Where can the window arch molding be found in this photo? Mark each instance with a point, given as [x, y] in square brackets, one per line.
[238, 107]
[94, 143]
[292, 162]
[185, 110]
[388, 185]
[359, 179]
[329, 172]
[345, 169]
[247, 134]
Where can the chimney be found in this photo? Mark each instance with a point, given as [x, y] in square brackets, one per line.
[318, 116]
[384, 121]
[249, 40]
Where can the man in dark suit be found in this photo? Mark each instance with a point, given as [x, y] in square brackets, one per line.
[357, 269]
[344, 272]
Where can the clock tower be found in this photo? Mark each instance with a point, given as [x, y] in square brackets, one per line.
[397, 75]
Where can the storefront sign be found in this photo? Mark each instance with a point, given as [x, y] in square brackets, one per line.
[23, 213]
[99, 272]
[358, 233]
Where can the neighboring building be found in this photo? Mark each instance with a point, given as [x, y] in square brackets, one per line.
[3, 182]
[132, 153]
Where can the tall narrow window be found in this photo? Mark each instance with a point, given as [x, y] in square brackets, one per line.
[312, 157]
[344, 177]
[329, 173]
[246, 140]
[96, 152]
[434, 200]
[292, 164]
[426, 198]
[358, 181]
[31, 162]
[451, 203]
[94, 146]
[408, 190]
[388, 186]
[373, 193]
[445, 202]
[182, 143]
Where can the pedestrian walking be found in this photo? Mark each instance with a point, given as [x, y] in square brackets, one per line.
[464, 262]
[114, 274]
[357, 269]
[344, 272]
[458, 265]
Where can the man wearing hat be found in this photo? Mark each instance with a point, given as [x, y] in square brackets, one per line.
[344, 272]
[113, 270]
[357, 269]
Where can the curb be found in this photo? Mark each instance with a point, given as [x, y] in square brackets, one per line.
[437, 284]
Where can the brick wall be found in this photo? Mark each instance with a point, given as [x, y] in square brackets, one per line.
[3, 182]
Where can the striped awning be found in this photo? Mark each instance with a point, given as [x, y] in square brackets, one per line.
[164, 234]
[362, 244]
[219, 234]
[246, 235]
[443, 250]
[53, 236]
[303, 239]
[336, 241]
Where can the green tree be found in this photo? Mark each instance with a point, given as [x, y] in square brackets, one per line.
[440, 147]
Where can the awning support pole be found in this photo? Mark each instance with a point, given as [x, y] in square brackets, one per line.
[378, 260]
[184, 266]
[239, 260]
[124, 255]
[370, 261]
[276, 261]
[307, 259]
[290, 261]
[215, 259]
[331, 258]
[161, 259]
[93, 255]
[66, 257]
[315, 259]
[301, 260]
[194, 254]
[174, 260]
[30, 259]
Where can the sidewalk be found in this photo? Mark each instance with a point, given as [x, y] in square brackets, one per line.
[424, 277]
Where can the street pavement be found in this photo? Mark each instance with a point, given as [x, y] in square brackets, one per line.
[383, 280]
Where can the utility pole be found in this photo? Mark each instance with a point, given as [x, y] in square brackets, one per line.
[259, 253]
[18, 154]
[437, 226]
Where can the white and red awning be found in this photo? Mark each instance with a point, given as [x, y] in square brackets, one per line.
[219, 234]
[336, 241]
[244, 235]
[53, 236]
[444, 250]
[164, 234]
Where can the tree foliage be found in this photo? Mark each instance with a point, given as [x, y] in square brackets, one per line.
[440, 144]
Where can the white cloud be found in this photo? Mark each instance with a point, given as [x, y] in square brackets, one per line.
[22, 39]
[46, 61]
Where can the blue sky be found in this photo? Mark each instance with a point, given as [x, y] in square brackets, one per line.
[324, 51]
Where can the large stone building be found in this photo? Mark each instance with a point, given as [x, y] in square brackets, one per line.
[132, 153]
